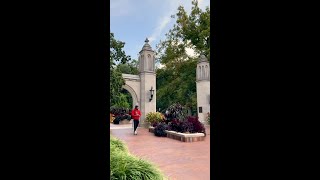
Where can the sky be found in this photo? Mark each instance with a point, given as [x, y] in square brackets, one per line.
[132, 21]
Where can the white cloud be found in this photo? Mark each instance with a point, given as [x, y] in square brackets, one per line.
[164, 20]
[120, 7]
[203, 4]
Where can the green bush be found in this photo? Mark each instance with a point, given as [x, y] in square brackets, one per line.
[124, 166]
[154, 117]
[117, 145]
[208, 118]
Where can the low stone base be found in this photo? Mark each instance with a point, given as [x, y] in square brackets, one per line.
[185, 137]
[151, 129]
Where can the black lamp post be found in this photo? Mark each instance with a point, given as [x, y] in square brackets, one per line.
[151, 92]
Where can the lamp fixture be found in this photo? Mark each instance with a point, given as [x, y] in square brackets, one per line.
[151, 92]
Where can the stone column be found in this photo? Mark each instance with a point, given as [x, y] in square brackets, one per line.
[148, 80]
[203, 88]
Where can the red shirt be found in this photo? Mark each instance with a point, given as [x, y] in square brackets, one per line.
[135, 114]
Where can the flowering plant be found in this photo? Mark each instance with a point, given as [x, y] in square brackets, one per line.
[154, 117]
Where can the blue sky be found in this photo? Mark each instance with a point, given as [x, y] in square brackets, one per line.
[132, 21]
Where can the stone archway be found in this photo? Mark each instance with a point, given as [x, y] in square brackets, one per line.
[139, 86]
[132, 93]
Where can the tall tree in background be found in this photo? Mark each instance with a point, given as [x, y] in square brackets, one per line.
[117, 55]
[179, 71]
[128, 68]
[189, 31]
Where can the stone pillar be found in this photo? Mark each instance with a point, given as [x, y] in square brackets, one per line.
[203, 88]
[147, 80]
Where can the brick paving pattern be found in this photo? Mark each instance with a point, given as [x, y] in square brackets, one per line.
[178, 160]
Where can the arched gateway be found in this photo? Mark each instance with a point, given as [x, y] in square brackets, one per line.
[142, 87]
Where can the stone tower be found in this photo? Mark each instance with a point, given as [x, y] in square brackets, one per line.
[203, 88]
[148, 81]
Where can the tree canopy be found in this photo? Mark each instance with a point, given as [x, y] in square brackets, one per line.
[130, 67]
[120, 63]
[117, 54]
[179, 71]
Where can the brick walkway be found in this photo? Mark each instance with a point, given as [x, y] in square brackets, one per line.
[178, 160]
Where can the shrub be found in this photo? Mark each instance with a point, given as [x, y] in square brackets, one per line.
[198, 127]
[208, 118]
[175, 125]
[154, 124]
[126, 166]
[117, 145]
[111, 118]
[159, 130]
[176, 111]
[153, 117]
[186, 126]
[118, 110]
[191, 125]
[121, 117]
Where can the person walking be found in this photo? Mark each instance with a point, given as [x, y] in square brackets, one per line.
[135, 114]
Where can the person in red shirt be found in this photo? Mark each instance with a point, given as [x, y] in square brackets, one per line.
[135, 114]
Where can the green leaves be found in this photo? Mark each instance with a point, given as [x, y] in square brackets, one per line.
[176, 82]
[129, 68]
[153, 117]
[117, 54]
[191, 30]
[116, 82]
[123, 165]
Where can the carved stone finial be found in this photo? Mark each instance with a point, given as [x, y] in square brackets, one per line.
[203, 58]
[146, 46]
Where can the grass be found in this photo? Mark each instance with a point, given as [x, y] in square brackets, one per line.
[117, 145]
[125, 166]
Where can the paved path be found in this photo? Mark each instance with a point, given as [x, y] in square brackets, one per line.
[178, 160]
[122, 126]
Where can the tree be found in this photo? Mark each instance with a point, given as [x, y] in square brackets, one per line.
[183, 80]
[192, 31]
[128, 68]
[189, 31]
[117, 54]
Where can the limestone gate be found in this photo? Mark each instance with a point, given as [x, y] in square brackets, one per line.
[142, 87]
